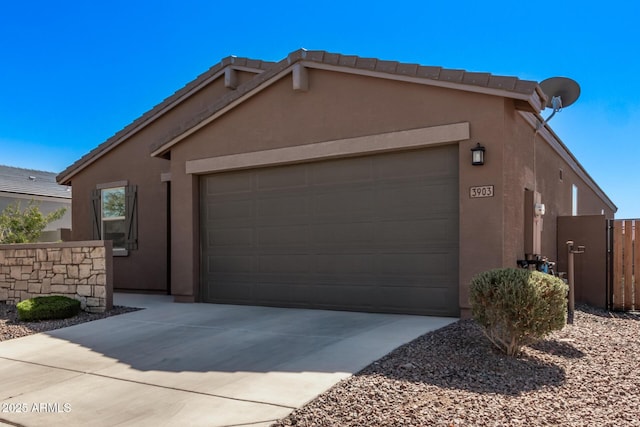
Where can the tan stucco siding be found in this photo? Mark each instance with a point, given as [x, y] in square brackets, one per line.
[339, 106]
[557, 194]
[517, 175]
[275, 124]
[176, 117]
[145, 268]
[540, 172]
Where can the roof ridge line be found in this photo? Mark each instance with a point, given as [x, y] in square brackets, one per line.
[449, 75]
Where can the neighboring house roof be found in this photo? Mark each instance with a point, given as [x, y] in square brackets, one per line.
[244, 64]
[31, 183]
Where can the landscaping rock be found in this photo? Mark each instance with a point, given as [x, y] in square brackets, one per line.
[11, 327]
[583, 375]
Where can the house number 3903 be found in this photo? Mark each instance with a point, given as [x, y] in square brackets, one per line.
[481, 191]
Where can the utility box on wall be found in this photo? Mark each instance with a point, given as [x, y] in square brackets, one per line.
[533, 214]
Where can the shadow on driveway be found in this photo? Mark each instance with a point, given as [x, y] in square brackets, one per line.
[227, 338]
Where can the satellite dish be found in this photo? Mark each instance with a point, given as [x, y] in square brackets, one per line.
[568, 90]
[561, 92]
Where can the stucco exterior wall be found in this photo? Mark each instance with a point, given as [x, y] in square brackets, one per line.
[532, 164]
[145, 269]
[517, 175]
[336, 106]
[557, 194]
[340, 106]
[79, 270]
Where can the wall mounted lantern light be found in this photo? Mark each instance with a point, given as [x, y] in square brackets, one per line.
[477, 155]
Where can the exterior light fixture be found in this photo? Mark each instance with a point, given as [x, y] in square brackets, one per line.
[477, 155]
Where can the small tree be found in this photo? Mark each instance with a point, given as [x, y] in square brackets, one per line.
[25, 226]
[517, 307]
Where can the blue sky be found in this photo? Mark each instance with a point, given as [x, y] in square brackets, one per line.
[72, 73]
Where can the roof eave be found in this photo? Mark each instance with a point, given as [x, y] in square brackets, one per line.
[242, 64]
[530, 101]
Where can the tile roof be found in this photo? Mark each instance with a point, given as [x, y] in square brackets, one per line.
[461, 79]
[437, 75]
[32, 183]
[508, 83]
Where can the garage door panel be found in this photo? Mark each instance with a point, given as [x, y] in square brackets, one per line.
[231, 237]
[438, 301]
[229, 210]
[429, 232]
[290, 263]
[342, 171]
[278, 292]
[275, 209]
[347, 264]
[333, 295]
[282, 236]
[290, 177]
[376, 233]
[415, 263]
[345, 202]
[227, 184]
[417, 281]
[416, 200]
[350, 234]
[230, 264]
[232, 292]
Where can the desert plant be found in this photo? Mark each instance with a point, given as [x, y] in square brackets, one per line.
[25, 226]
[47, 307]
[517, 307]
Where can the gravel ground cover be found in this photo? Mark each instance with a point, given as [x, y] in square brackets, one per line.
[11, 327]
[587, 374]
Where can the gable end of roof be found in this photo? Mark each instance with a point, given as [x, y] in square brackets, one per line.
[158, 110]
[527, 93]
[523, 90]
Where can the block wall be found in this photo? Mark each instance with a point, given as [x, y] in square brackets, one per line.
[80, 270]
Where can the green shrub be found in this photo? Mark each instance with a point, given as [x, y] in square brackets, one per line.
[517, 307]
[48, 307]
[25, 226]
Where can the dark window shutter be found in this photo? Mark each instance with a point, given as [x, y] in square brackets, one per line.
[96, 217]
[131, 217]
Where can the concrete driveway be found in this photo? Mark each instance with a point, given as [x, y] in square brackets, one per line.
[191, 364]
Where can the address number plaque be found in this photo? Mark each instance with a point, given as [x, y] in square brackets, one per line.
[481, 191]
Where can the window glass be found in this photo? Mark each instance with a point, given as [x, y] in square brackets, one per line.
[113, 216]
[114, 230]
[113, 202]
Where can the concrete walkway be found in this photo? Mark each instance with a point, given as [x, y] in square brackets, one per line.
[191, 364]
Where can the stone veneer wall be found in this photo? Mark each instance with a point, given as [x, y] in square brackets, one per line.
[80, 270]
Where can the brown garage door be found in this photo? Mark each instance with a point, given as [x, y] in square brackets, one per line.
[377, 233]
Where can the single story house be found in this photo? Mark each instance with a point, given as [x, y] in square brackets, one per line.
[330, 181]
[19, 185]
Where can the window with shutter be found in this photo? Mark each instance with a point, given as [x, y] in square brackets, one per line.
[114, 216]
